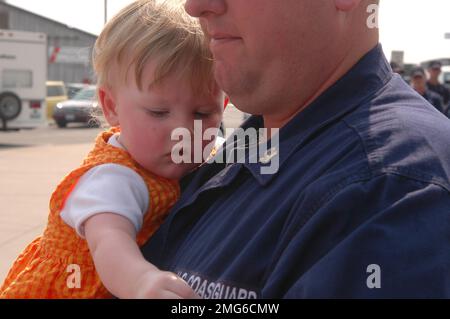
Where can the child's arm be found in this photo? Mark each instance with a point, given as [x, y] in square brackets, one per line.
[121, 266]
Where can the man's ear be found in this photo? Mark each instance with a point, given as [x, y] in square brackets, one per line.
[346, 5]
[109, 106]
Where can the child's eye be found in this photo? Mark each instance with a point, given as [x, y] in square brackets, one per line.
[158, 114]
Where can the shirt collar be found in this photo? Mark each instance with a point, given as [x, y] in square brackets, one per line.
[366, 78]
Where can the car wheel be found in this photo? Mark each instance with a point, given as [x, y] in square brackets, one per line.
[10, 106]
[61, 124]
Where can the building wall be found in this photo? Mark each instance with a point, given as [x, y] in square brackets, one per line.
[71, 60]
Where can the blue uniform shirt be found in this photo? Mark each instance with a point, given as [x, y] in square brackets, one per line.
[435, 100]
[360, 205]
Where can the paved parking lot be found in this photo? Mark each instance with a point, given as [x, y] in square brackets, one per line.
[28, 177]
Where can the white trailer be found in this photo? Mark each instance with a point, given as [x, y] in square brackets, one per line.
[23, 72]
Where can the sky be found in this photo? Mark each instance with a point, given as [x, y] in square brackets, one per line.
[414, 26]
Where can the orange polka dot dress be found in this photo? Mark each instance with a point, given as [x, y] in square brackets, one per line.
[45, 267]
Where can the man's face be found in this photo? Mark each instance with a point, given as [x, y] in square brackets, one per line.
[260, 46]
[419, 82]
[434, 72]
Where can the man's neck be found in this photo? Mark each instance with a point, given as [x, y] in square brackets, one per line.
[349, 60]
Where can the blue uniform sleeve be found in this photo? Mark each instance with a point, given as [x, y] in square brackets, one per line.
[387, 237]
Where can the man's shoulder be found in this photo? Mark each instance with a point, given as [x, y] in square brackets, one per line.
[402, 132]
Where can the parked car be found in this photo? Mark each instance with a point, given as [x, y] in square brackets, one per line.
[74, 88]
[56, 92]
[82, 108]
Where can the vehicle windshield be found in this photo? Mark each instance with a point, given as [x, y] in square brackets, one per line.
[71, 91]
[54, 90]
[85, 95]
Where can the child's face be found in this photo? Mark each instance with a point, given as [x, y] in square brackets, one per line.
[147, 119]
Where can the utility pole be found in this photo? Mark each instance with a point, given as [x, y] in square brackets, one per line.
[106, 11]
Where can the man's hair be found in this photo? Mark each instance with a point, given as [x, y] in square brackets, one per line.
[153, 30]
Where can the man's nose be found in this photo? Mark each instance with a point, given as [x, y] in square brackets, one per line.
[202, 8]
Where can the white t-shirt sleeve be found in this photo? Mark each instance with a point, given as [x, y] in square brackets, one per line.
[107, 188]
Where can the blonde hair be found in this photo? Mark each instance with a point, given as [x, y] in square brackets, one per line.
[154, 30]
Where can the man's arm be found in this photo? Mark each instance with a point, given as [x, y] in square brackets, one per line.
[388, 237]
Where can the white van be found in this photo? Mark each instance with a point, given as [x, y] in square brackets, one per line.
[23, 72]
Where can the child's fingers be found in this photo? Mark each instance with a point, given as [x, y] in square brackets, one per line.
[181, 288]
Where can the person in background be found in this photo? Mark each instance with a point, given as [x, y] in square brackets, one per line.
[434, 85]
[419, 83]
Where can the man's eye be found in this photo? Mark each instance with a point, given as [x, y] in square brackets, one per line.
[158, 114]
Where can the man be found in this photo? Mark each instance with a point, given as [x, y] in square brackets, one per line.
[359, 206]
[419, 83]
[433, 83]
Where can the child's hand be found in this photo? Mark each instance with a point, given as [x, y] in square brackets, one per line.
[128, 275]
[156, 284]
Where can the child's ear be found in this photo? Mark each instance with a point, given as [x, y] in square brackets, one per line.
[109, 106]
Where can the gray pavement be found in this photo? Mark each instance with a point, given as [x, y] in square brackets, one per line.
[32, 162]
[28, 177]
